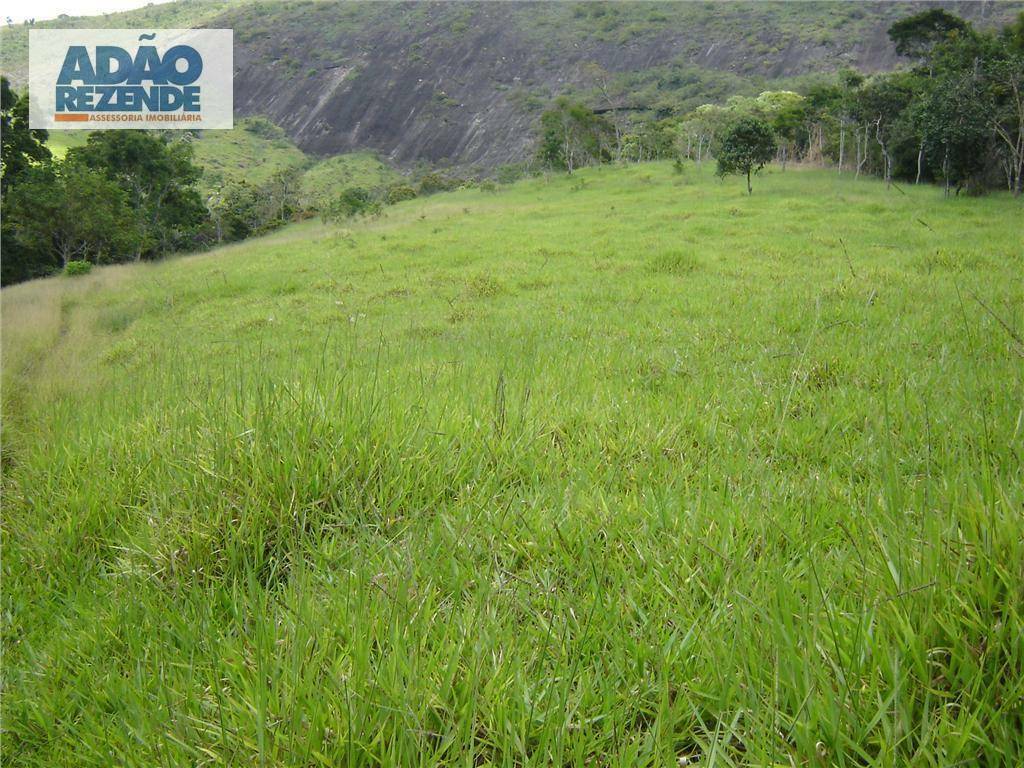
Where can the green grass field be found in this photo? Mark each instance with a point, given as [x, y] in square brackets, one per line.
[621, 469]
[59, 142]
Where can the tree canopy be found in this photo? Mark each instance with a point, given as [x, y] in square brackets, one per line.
[747, 148]
[572, 135]
[916, 35]
[124, 195]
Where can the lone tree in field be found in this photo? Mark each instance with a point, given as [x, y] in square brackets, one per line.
[747, 148]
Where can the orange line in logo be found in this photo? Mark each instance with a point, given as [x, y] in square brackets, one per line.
[70, 118]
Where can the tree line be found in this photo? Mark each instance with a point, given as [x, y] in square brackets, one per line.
[124, 196]
[132, 195]
[954, 115]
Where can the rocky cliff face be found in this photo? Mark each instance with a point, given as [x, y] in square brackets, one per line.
[463, 82]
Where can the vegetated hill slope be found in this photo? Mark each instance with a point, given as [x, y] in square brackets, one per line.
[254, 150]
[463, 82]
[572, 473]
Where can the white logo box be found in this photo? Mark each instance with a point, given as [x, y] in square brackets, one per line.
[131, 78]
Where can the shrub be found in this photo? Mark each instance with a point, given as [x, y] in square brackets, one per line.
[237, 212]
[354, 201]
[75, 268]
[507, 174]
[435, 182]
[400, 192]
[262, 127]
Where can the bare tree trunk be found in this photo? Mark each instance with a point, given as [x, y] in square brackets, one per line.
[867, 129]
[842, 142]
[945, 175]
[750, 190]
[568, 152]
[886, 159]
[862, 152]
[1020, 170]
[1020, 160]
[920, 157]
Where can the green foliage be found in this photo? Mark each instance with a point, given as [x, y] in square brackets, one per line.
[262, 127]
[955, 126]
[121, 195]
[432, 182]
[241, 154]
[652, 141]
[76, 268]
[1013, 36]
[823, 100]
[673, 89]
[283, 193]
[959, 116]
[879, 104]
[22, 147]
[572, 136]
[399, 193]
[321, 180]
[240, 210]
[747, 148]
[916, 35]
[72, 212]
[159, 179]
[510, 172]
[787, 114]
[969, 109]
[351, 202]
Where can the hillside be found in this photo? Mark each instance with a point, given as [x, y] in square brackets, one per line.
[253, 151]
[622, 469]
[463, 83]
